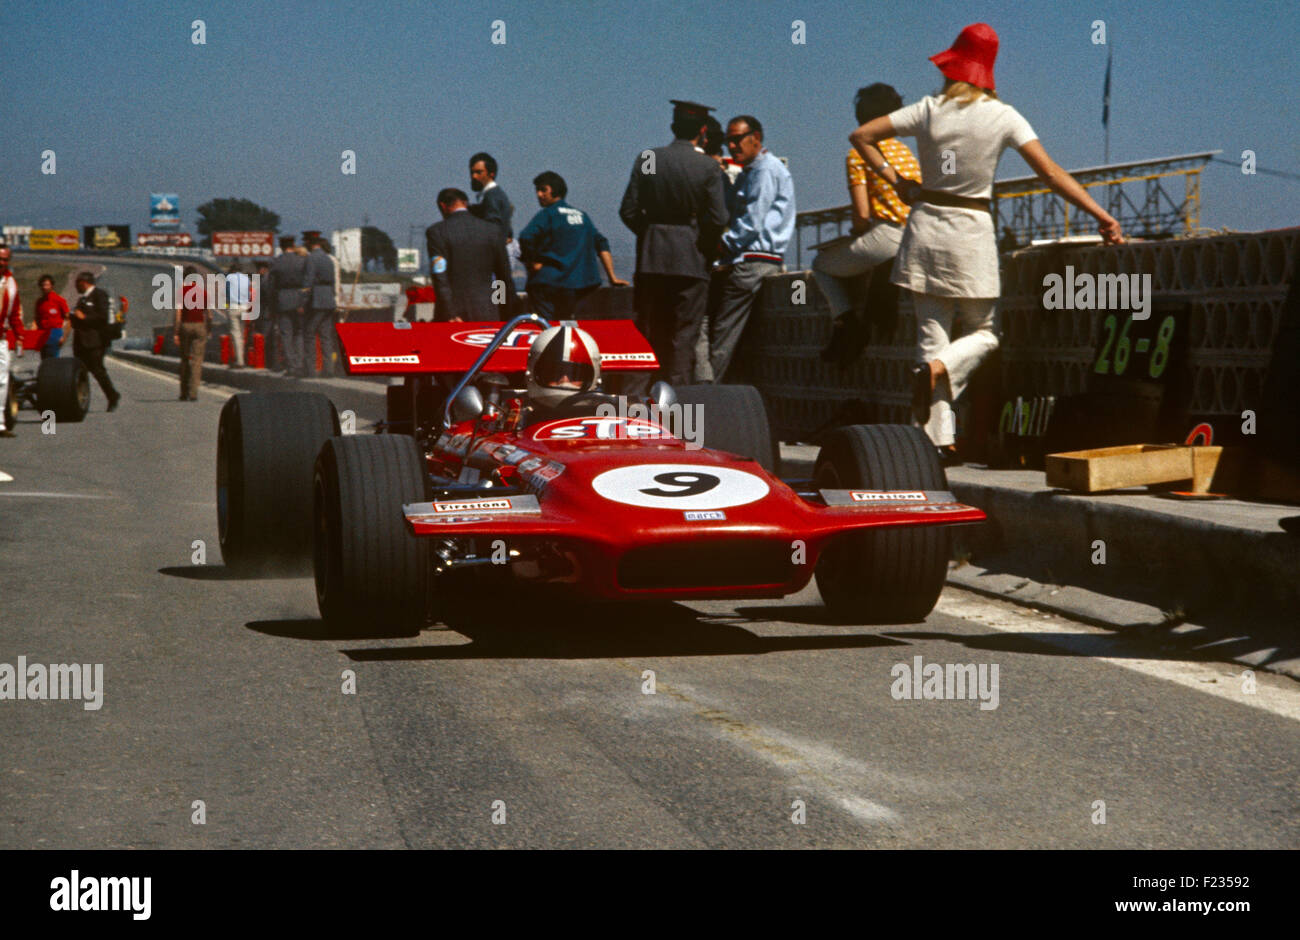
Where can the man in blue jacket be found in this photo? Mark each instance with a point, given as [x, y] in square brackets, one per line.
[753, 247]
[560, 248]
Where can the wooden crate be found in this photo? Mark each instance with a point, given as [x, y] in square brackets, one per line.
[1115, 468]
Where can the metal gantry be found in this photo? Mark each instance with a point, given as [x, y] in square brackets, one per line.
[1140, 194]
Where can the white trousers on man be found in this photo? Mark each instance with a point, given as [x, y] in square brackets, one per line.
[235, 321]
[975, 318]
[4, 380]
[851, 257]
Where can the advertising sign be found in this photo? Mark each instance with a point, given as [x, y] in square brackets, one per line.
[368, 296]
[164, 210]
[54, 239]
[408, 259]
[164, 240]
[106, 236]
[243, 244]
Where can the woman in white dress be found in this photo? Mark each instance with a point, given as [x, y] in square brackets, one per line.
[948, 258]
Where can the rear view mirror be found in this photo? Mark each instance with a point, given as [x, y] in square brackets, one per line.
[468, 405]
[663, 395]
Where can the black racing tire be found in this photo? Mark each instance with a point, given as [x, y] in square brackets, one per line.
[63, 386]
[890, 575]
[372, 574]
[266, 450]
[11, 404]
[734, 420]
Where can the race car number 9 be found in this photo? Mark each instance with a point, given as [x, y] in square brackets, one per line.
[679, 486]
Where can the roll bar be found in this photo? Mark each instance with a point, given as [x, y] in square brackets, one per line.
[497, 340]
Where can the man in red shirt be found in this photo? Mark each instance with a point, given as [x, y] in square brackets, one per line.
[11, 319]
[52, 314]
[193, 318]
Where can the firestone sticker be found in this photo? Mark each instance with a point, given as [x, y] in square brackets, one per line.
[886, 496]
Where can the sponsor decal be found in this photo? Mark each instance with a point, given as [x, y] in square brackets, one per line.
[628, 357]
[680, 486]
[886, 496]
[520, 338]
[409, 360]
[707, 515]
[615, 428]
[943, 507]
[474, 505]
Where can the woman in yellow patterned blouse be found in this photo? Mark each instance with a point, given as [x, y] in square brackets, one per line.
[879, 216]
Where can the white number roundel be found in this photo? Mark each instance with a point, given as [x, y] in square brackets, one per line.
[679, 486]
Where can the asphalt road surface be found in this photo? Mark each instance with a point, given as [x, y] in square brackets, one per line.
[226, 691]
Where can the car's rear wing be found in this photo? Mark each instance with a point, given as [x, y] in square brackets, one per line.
[423, 348]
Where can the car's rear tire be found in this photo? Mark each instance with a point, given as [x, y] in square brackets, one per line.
[889, 575]
[63, 386]
[372, 574]
[11, 404]
[266, 450]
[734, 420]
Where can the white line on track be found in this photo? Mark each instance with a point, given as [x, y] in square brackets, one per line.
[813, 766]
[57, 495]
[1276, 695]
[5, 478]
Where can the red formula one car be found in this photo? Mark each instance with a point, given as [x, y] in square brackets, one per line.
[675, 496]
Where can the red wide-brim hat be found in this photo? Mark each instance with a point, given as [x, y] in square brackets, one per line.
[971, 57]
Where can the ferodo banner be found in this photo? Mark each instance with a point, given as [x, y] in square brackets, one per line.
[54, 239]
[243, 244]
[106, 236]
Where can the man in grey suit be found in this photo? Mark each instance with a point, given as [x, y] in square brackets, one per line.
[320, 280]
[674, 203]
[287, 272]
[467, 258]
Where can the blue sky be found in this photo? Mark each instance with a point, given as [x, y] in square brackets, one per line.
[265, 108]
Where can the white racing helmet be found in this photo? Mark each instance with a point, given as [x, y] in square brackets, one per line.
[564, 361]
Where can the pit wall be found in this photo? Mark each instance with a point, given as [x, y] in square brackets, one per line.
[1235, 285]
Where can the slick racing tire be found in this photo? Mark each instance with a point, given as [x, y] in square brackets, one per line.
[735, 420]
[11, 404]
[266, 450]
[889, 575]
[372, 574]
[63, 386]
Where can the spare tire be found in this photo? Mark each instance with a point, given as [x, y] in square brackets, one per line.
[63, 386]
[372, 574]
[889, 575]
[734, 420]
[266, 450]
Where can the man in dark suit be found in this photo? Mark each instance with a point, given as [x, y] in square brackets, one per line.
[467, 258]
[674, 203]
[493, 204]
[89, 323]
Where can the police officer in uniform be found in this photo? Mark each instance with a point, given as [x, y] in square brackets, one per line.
[674, 203]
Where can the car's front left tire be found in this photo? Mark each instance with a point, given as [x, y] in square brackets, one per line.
[372, 575]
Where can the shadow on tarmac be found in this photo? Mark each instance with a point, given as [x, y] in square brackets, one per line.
[580, 629]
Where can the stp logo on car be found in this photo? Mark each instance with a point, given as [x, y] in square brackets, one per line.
[521, 338]
[600, 429]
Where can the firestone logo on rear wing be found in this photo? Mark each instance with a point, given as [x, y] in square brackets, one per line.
[407, 360]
